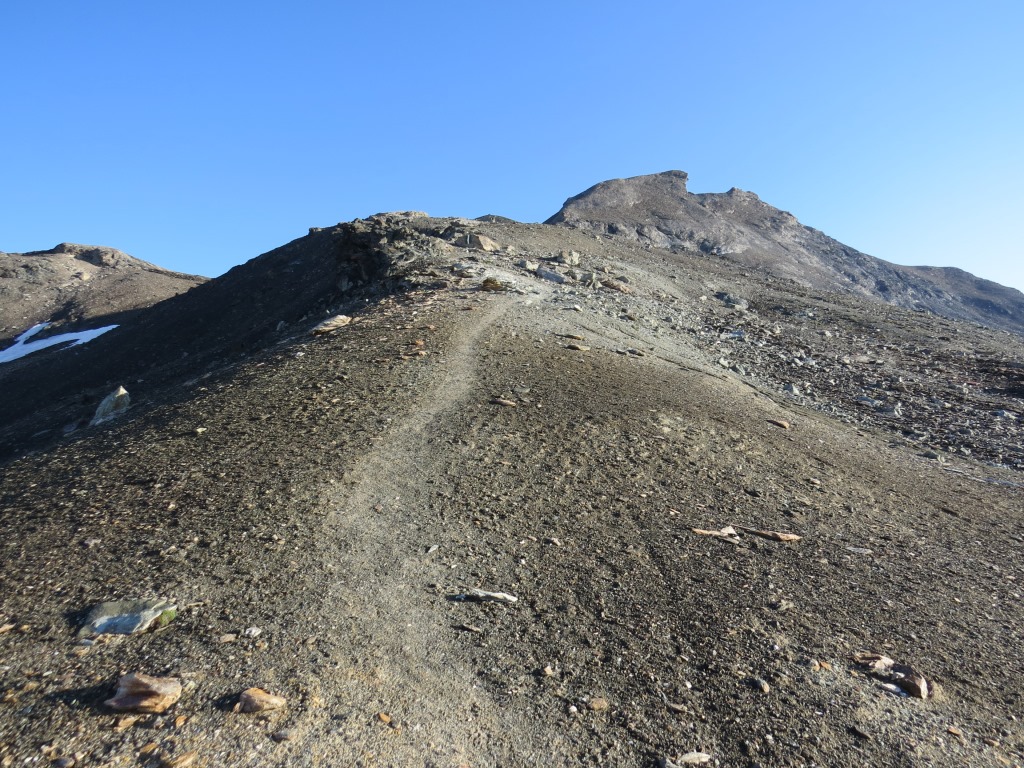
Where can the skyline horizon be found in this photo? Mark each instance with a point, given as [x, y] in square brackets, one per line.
[172, 267]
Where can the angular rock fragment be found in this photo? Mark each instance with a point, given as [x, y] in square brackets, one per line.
[728, 533]
[137, 692]
[479, 595]
[128, 617]
[615, 285]
[253, 700]
[903, 676]
[690, 758]
[181, 761]
[112, 406]
[549, 274]
[331, 325]
[478, 242]
[493, 284]
[773, 535]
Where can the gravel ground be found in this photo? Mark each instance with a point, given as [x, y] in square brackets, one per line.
[337, 496]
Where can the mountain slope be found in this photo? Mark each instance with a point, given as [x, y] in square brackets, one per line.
[657, 210]
[531, 410]
[71, 286]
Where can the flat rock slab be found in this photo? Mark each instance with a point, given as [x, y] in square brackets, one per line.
[126, 617]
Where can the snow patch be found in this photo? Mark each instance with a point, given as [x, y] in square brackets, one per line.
[22, 346]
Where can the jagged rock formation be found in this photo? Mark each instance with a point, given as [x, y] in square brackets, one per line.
[72, 286]
[657, 210]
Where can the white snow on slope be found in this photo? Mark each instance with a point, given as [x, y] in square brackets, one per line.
[22, 346]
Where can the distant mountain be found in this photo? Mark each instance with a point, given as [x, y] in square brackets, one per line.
[71, 285]
[657, 210]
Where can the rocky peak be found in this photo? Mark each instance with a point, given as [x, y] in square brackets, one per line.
[658, 212]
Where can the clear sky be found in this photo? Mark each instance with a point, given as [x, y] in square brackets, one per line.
[198, 135]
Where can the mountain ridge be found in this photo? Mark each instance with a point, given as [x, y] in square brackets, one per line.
[71, 285]
[657, 210]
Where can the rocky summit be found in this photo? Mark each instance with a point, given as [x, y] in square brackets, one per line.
[631, 488]
[737, 226]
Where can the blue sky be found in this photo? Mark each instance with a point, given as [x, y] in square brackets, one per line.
[198, 135]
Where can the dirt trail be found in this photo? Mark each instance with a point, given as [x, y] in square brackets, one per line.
[388, 649]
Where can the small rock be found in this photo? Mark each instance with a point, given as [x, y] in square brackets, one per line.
[791, 389]
[477, 241]
[480, 595]
[731, 301]
[493, 284]
[779, 423]
[548, 671]
[910, 680]
[112, 406]
[599, 704]
[761, 684]
[384, 717]
[548, 274]
[253, 632]
[690, 758]
[181, 761]
[578, 347]
[137, 692]
[331, 325]
[529, 266]
[282, 735]
[126, 722]
[615, 285]
[503, 401]
[253, 700]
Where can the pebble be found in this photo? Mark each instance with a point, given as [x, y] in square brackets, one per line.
[284, 734]
[599, 704]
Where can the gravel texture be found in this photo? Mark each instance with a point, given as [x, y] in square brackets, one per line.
[319, 507]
